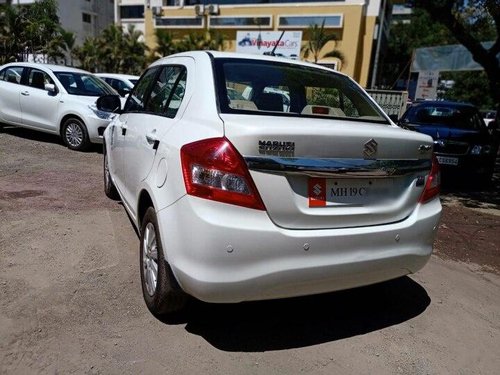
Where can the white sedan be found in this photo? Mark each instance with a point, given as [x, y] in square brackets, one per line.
[54, 99]
[238, 200]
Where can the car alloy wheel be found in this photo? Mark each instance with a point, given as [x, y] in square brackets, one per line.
[74, 134]
[162, 293]
[150, 259]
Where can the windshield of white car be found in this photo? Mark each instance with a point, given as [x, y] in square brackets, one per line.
[255, 87]
[84, 84]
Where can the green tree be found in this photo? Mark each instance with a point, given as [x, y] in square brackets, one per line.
[69, 44]
[26, 30]
[318, 39]
[165, 44]
[134, 59]
[404, 38]
[469, 87]
[208, 40]
[470, 21]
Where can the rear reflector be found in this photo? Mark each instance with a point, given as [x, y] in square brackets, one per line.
[213, 169]
[432, 186]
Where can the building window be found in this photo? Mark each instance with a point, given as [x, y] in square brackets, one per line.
[131, 11]
[331, 21]
[248, 22]
[179, 22]
[242, 2]
[87, 18]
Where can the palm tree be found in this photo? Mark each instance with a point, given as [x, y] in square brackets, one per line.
[165, 44]
[134, 59]
[318, 39]
[68, 39]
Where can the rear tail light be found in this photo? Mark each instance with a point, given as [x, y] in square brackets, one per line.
[433, 183]
[213, 169]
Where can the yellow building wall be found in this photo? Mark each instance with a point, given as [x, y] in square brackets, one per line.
[355, 38]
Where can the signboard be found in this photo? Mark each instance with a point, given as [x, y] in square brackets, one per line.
[259, 42]
[427, 85]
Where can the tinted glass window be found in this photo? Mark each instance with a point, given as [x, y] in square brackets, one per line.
[12, 74]
[291, 90]
[83, 84]
[178, 95]
[38, 79]
[455, 117]
[137, 98]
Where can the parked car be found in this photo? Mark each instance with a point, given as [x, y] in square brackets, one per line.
[54, 99]
[462, 142]
[123, 83]
[240, 200]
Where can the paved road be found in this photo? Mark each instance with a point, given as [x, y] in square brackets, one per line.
[71, 302]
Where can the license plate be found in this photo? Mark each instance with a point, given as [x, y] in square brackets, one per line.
[447, 161]
[329, 192]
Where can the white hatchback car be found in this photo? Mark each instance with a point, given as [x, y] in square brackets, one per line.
[54, 99]
[239, 200]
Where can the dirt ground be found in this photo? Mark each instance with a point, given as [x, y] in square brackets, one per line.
[71, 301]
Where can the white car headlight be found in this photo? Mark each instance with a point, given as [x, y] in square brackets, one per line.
[101, 114]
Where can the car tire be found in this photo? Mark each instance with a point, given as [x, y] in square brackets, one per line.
[109, 187]
[74, 134]
[162, 293]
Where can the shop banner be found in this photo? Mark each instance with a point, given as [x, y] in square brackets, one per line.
[259, 42]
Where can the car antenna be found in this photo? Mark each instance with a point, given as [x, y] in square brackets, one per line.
[275, 46]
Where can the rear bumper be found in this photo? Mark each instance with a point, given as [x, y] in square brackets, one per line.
[223, 253]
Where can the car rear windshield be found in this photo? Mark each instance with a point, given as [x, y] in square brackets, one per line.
[450, 116]
[256, 87]
[83, 84]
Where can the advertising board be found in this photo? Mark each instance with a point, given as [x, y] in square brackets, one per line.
[259, 42]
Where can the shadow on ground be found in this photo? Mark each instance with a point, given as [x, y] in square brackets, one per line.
[38, 136]
[306, 321]
[471, 192]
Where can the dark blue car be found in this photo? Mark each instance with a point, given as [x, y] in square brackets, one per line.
[462, 142]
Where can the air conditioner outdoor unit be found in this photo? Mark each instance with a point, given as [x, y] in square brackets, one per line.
[156, 11]
[213, 9]
[199, 9]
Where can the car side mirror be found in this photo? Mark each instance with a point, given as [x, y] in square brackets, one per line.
[109, 103]
[124, 92]
[51, 88]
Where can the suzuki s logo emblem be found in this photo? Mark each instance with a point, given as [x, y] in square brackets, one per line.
[370, 149]
[317, 189]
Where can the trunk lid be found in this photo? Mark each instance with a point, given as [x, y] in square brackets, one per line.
[319, 173]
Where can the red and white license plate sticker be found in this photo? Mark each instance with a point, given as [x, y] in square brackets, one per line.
[325, 192]
[317, 192]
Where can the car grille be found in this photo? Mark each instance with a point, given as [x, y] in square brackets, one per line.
[451, 147]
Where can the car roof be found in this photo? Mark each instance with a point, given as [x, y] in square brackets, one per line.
[117, 75]
[52, 67]
[442, 103]
[243, 56]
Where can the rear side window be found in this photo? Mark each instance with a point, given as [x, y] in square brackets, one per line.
[166, 94]
[12, 74]
[284, 89]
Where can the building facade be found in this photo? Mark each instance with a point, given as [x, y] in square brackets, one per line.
[356, 23]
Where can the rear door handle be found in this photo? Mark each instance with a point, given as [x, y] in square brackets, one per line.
[25, 93]
[152, 139]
